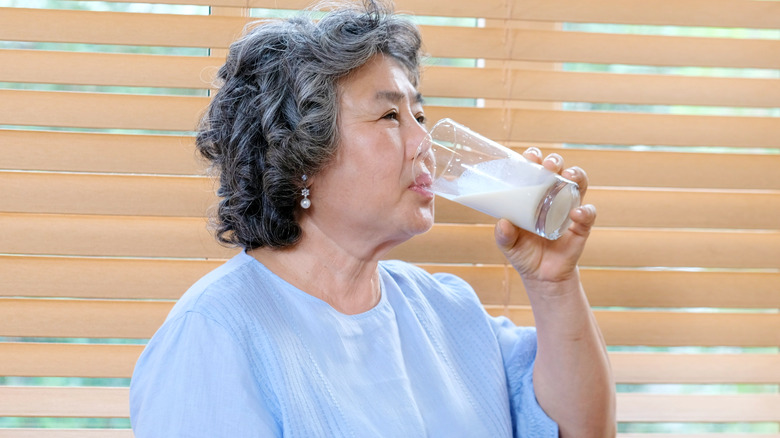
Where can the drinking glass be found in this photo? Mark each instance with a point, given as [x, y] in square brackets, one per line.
[477, 172]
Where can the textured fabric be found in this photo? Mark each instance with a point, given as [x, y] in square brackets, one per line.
[245, 354]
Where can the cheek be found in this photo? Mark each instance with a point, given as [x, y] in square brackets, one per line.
[370, 163]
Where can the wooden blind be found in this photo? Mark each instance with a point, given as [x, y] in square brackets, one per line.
[671, 107]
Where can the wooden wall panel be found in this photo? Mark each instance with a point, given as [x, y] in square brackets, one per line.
[687, 250]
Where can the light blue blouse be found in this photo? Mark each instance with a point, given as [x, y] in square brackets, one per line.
[245, 354]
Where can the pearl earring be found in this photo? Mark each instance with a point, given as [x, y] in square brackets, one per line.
[305, 202]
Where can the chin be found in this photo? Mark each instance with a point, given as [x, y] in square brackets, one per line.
[423, 221]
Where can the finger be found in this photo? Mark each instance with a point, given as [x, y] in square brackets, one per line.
[583, 218]
[579, 176]
[553, 163]
[533, 154]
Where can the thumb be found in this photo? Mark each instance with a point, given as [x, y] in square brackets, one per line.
[506, 234]
[583, 219]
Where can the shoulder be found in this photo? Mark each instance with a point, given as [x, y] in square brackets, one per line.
[239, 297]
[222, 292]
[439, 289]
[226, 277]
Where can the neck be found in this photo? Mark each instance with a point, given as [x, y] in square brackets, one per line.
[346, 279]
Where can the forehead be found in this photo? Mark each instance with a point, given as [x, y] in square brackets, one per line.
[380, 79]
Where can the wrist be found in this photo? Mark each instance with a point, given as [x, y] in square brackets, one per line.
[555, 287]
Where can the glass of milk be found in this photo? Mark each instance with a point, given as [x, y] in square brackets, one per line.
[477, 172]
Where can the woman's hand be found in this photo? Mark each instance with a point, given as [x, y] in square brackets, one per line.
[541, 261]
[572, 378]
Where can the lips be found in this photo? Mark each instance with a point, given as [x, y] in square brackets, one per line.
[422, 185]
[423, 180]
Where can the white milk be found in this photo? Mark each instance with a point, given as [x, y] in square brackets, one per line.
[512, 189]
[520, 205]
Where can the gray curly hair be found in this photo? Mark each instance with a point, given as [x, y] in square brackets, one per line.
[274, 117]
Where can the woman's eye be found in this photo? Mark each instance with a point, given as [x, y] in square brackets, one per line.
[421, 119]
[392, 115]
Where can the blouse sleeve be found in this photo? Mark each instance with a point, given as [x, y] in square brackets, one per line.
[194, 380]
[518, 349]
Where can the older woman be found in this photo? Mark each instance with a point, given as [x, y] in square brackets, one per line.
[306, 333]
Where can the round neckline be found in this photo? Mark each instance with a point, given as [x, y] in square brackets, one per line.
[303, 295]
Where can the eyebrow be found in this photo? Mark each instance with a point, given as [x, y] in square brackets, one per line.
[396, 96]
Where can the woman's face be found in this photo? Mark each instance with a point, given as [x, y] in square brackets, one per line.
[368, 193]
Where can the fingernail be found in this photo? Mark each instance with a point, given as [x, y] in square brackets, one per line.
[555, 159]
[535, 151]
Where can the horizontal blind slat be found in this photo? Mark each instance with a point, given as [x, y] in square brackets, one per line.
[673, 329]
[100, 361]
[140, 319]
[112, 402]
[108, 69]
[93, 277]
[495, 284]
[140, 236]
[72, 433]
[614, 128]
[674, 169]
[608, 247]
[80, 152]
[597, 48]
[136, 236]
[698, 408]
[101, 110]
[38, 66]
[97, 152]
[631, 207]
[501, 285]
[565, 86]
[81, 318]
[32, 401]
[106, 194]
[697, 435]
[646, 368]
[183, 113]
[708, 13]
[31, 359]
[188, 196]
[719, 13]
[118, 28]
[491, 43]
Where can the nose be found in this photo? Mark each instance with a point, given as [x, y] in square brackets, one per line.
[418, 141]
[422, 161]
